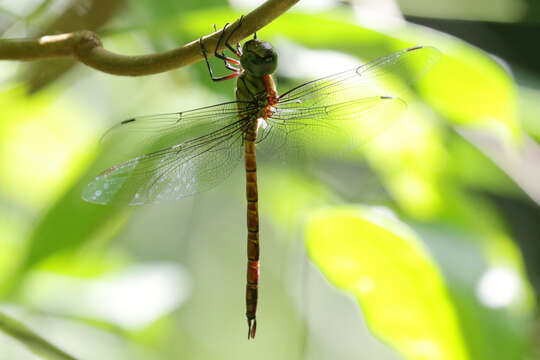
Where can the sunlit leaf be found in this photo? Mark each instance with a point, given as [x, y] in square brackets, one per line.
[69, 223]
[38, 142]
[490, 291]
[131, 298]
[394, 279]
[529, 105]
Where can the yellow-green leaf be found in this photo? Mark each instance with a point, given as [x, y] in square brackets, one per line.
[394, 279]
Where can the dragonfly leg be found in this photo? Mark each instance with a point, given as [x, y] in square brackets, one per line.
[226, 59]
[232, 68]
[238, 50]
[236, 72]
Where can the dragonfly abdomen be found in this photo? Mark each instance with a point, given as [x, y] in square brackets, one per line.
[253, 235]
[262, 90]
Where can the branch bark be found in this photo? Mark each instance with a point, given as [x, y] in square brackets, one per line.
[95, 14]
[86, 47]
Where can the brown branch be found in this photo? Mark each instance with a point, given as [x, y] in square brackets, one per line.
[86, 46]
[95, 14]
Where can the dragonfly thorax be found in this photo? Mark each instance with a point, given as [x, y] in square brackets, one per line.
[251, 89]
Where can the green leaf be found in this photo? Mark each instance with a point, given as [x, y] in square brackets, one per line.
[70, 223]
[56, 146]
[33, 341]
[473, 169]
[394, 279]
[493, 298]
[529, 106]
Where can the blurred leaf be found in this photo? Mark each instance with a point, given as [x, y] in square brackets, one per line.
[504, 11]
[31, 340]
[530, 111]
[131, 298]
[70, 223]
[398, 285]
[470, 88]
[291, 196]
[519, 163]
[493, 299]
[475, 170]
[43, 138]
[40, 136]
[90, 262]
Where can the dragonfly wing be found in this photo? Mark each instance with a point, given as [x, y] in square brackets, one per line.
[372, 78]
[349, 108]
[185, 168]
[181, 170]
[146, 134]
[336, 128]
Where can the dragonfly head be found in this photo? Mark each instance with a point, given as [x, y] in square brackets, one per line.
[259, 58]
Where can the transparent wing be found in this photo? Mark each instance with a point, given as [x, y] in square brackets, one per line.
[407, 65]
[193, 163]
[151, 133]
[329, 129]
[346, 109]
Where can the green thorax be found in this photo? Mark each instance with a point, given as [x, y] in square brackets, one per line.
[258, 60]
[251, 88]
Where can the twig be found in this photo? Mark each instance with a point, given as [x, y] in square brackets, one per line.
[33, 341]
[96, 14]
[86, 46]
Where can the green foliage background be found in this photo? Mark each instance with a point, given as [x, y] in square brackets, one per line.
[383, 255]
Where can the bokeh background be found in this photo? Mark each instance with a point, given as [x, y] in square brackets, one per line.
[423, 245]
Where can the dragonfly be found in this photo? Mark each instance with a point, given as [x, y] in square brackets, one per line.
[187, 152]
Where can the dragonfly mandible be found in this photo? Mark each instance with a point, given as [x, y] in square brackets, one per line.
[187, 152]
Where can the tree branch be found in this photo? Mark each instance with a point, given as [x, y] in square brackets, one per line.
[86, 46]
[96, 14]
[33, 341]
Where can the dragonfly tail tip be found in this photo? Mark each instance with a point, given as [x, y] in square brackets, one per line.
[252, 328]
